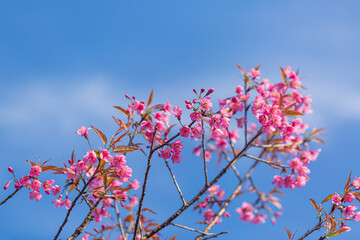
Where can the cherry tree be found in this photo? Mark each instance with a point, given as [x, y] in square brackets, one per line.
[261, 122]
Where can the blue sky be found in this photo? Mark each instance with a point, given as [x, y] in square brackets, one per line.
[66, 63]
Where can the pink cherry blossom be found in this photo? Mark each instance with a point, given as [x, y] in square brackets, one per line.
[58, 202]
[67, 203]
[90, 157]
[349, 197]
[205, 103]
[35, 171]
[356, 182]
[36, 184]
[349, 211]
[195, 116]
[135, 184]
[254, 73]
[336, 199]
[185, 131]
[35, 195]
[177, 112]
[83, 131]
[25, 181]
[165, 154]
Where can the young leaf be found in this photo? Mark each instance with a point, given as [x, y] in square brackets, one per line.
[240, 68]
[318, 140]
[124, 149]
[288, 232]
[173, 237]
[123, 110]
[292, 113]
[314, 204]
[149, 210]
[348, 182]
[31, 163]
[150, 97]
[327, 198]
[100, 134]
[283, 74]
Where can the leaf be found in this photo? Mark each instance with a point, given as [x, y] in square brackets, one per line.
[257, 67]
[100, 134]
[315, 131]
[71, 187]
[49, 167]
[288, 232]
[150, 97]
[292, 113]
[240, 68]
[31, 163]
[348, 182]
[149, 210]
[123, 110]
[173, 237]
[327, 198]
[318, 140]
[124, 149]
[129, 218]
[288, 107]
[283, 74]
[314, 204]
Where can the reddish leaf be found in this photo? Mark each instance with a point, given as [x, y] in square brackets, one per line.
[283, 74]
[318, 140]
[314, 204]
[123, 110]
[49, 167]
[173, 237]
[31, 163]
[327, 198]
[348, 182]
[150, 97]
[149, 210]
[100, 134]
[288, 232]
[124, 149]
[240, 68]
[292, 113]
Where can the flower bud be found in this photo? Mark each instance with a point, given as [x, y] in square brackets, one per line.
[202, 90]
[10, 170]
[17, 185]
[188, 106]
[194, 90]
[6, 185]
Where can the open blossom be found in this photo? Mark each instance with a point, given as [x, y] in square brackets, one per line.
[36, 184]
[137, 106]
[124, 173]
[67, 203]
[25, 181]
[209, 216]
[255, 73]
[278, 180]
[105, 154]
[58, 202]
[205, 103]
[336, 199]
[83, 131]
[197, 132]
[35, 195]
[35, 171]
[259, 218]
[349, 211]
[119, 160]
[90, 157]
[185, 131]
[356, 182]
[349, 197]
[195, 116]
[135, 184]
[165, 154]
[176, 157]
[177, 112]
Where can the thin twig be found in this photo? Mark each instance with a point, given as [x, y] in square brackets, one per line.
[83, 196]
[226, 204]
[204, 153]
[144, 185]
[74, 202]
[216, 235]
[233, 166]
[233, 195]
[203, 190]
[10, 196]
[86, 221]
[267, 162]
[191, 229]
[119, 220]
[175, 182]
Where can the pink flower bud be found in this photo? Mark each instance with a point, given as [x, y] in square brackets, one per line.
[6, 185]
[187, 101]
[188, 106]
[194, 90]
[194, 101]
[10, 170]
[127, 96]
[202, 90]
[17, 185]
[211, 90]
